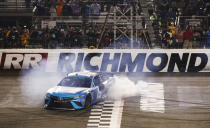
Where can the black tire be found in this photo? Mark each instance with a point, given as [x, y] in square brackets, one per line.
[88, 101]
[49, 106]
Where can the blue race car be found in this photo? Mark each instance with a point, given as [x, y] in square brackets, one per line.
[78, 91]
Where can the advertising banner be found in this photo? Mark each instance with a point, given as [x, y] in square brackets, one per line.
[109, 60]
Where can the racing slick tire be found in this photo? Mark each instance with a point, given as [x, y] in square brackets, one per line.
[88, 101]
[48, 107]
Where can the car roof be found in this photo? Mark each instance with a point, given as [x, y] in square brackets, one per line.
[83, 74]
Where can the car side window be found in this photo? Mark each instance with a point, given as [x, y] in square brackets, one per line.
[103, 78]
[96, 81]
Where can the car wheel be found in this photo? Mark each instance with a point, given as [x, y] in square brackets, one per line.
[47, 106]
[88, 101]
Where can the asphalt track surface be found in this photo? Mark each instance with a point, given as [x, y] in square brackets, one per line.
[186, 105]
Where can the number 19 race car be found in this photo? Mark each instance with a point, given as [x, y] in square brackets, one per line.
[78, 91]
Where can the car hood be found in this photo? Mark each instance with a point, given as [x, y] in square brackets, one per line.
[61, 90]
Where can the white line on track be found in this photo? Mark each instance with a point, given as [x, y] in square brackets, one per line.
[107, 114]
[117, 114]
[152, 98]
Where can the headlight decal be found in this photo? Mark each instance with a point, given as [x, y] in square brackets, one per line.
[79, 97]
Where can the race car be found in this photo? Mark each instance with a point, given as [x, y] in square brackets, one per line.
[78, 90]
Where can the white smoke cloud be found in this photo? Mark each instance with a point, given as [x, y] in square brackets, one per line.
[123, 87]
[151, 94]
[34, 85]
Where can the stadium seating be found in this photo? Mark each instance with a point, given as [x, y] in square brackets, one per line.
[108, 24]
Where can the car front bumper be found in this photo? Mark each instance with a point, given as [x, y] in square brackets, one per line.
[54, 102]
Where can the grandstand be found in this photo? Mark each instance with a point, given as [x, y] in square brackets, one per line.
[122, 24]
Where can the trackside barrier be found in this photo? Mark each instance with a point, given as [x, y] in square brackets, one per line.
[117, 61]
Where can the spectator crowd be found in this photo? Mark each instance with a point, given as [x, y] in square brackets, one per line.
[181, 23]
[176, 23]
[73, 37]
[66, 8]
[79, 8]
[70, 37]
[16, 37]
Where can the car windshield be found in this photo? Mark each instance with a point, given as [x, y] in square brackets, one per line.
[75, 82]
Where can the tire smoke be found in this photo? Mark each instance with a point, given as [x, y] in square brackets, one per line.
[123, 87]
[35, 83]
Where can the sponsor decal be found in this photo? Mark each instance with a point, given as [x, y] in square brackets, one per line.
[106, 61]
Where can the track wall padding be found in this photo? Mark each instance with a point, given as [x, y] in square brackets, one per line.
[105, 60]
